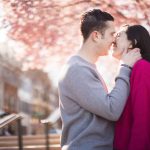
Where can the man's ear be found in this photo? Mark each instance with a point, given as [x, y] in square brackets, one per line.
[96, 36]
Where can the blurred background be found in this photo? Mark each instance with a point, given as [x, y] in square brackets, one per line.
[36, 39]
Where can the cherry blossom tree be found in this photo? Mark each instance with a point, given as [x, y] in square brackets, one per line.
[50, 29]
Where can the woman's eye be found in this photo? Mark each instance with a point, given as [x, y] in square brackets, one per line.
[118, 34]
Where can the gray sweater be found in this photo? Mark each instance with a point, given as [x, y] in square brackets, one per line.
[88, 112]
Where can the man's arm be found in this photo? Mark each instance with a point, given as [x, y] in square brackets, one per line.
[86, 89]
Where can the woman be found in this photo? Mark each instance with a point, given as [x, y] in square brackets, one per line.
[132, 130]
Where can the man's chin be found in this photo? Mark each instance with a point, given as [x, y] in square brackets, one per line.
[117, 56]
[115, 53]
[106, 53]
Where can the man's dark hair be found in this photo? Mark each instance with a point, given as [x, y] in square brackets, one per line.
[94, 20]
[140, 38]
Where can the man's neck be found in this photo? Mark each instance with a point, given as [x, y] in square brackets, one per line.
[87, 53]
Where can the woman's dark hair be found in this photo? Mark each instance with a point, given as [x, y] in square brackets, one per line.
[140, 38]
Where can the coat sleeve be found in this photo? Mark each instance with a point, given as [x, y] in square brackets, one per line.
[87, 91]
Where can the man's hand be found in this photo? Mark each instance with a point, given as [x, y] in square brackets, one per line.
[131, 57]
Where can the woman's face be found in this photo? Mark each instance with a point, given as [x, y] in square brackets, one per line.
[121, 43]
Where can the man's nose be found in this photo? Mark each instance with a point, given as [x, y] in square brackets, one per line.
[114, 39]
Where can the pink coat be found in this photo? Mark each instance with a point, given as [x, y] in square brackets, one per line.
[132, 131]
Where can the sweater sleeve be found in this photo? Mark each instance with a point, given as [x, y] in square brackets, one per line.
[86, 89]
[140, 95]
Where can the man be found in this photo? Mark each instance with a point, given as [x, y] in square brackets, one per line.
[87, 110]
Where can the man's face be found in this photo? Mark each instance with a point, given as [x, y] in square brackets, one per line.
[107, 38]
